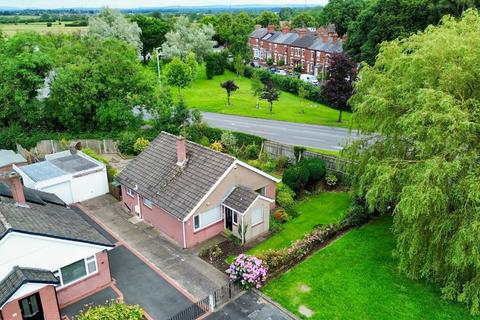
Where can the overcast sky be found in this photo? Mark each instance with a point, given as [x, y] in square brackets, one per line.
[142, 3]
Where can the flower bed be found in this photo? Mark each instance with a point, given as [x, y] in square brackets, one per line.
[248, 272]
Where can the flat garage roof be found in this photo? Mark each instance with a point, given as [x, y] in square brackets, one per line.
[57, 167]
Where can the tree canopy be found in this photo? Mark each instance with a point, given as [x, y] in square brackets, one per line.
[153, 32]
[304, 20]
[341, 13]
[188, 37]
[268, 17]
[418, 107]
[111, 23]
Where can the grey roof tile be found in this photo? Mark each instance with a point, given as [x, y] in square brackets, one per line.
[258, 33]
[240, 198]
[177, 190]
[329, 46]
[49, 220]
[19, 276]
[32, 195]
[305, 41]
[10, 157]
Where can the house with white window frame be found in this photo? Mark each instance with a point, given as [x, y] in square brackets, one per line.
[50, 256]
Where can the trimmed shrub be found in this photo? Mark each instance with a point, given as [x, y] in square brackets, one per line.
[140, 145]
[316, 168]
[228, 139]
[215, 64]
[113, 310]
[281, 216]
[204, 141]
[296, 177]
[284, 196]
[244, 139]
[252, 151]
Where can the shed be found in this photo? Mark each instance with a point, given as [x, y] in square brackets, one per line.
[73, 177]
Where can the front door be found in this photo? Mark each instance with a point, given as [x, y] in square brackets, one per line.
[31, 307]
[228, 218]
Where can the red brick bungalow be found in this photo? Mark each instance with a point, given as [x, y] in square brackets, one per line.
[192, 193]
[50, 256]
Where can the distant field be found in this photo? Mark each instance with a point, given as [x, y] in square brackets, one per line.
[40, 27]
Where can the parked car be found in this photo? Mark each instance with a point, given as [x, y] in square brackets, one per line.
[282, 72]
[255, 64]
[273, 70]
[309, 78]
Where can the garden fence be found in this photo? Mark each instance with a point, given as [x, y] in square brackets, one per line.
[210, 303]
[276, 149]
[44, 147]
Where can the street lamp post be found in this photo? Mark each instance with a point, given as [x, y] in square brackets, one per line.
[158, 66]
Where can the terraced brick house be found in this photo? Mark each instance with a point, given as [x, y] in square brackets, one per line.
[310, 48]
[192, 193]
[50, 256]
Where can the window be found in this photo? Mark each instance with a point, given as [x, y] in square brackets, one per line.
[76, 270]
[257, 216]
[235, 217]
[148, 203]
[31, 307]
[207, 218]
[261, 191]
[130, 192]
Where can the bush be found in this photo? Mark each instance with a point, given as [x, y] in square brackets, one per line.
[217, 146]
[331, 179]
[285, 196]
[316, 168]
[126, 142]
[140, 145]
[247, 271]
[269, 61]
[113, 310]
[357, 214]
[281, 63]
[228, 139]
[204, 141]
[215, 64]
[89, 152]
[281, 216]
[212, 253]
[282, 162]
[246, 139]
[296, 177]
[252, 151]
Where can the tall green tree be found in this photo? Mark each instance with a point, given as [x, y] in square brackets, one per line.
[153, 32]
[97, 85]
[304, 20]
[242, 26]
[418, 107]
[268, 17]
[270, 93]
[25, 61]
[342, 13]
[239, 65]
[111, 24]
[178, 74]
[286, 13]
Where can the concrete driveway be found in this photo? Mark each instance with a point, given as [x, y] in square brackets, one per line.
[180, 267]
[143, 286]
[308, 135]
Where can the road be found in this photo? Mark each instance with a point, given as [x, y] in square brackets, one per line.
[313, 136]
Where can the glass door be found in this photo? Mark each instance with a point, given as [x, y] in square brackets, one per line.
[31, 307]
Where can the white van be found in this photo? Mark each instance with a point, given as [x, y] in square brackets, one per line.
[309, 78]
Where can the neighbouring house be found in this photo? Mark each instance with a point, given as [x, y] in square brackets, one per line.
[71, 175]
[192, 193]
[310, 48]
[8, 158]
[50, 256]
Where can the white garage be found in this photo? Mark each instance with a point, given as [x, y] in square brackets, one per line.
[72, 177]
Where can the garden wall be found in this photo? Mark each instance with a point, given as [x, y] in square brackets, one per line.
[276, 149]
[44, 147]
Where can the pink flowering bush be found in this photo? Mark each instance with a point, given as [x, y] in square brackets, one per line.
[247, 271]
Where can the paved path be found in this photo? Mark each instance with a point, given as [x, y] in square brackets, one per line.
[97, 299]
[182, 267]
[252, 305]
[313, 136]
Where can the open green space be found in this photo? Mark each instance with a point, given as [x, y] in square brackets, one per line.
[10, 29]
[207, 95]
[325, 208]
[356, 277]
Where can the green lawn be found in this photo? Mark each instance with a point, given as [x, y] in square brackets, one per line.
[207, 95]
[10, 29]
[356, 278]
[326, 208]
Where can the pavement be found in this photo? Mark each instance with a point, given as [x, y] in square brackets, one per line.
[181, 267]
[252, 305]
[102, 297]
[308, 135]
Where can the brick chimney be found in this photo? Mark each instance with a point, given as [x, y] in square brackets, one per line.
[257, 26]
[325, 38]
[321, 31]
[302, 32]
[271, 28]
[335, 38]
[17, 189]
[181, 151]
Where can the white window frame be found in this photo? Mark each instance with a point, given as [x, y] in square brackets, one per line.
[148, 205]
[130, 192]
[201, 227]
[58, 273]
[234, 217]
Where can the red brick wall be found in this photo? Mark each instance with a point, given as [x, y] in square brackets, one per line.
[12, 311]
[89, 285]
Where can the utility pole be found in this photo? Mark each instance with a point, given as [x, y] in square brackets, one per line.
[158, 66]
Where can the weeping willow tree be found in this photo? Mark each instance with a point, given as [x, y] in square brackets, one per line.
[419, 107]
